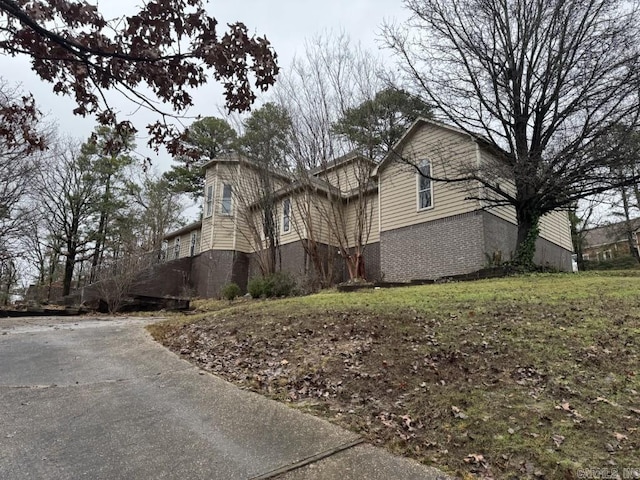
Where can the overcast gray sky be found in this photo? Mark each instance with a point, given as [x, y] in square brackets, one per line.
[286, 23]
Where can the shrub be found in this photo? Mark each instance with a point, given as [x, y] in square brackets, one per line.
[255, 287]
[281, 285]
[277, 284]
[231, 291]
[622, 262]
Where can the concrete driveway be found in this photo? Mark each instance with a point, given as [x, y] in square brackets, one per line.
[99, 399]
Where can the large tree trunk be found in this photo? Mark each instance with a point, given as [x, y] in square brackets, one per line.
[97, 253]
[528, 230]
[69, 265]
[102, 231]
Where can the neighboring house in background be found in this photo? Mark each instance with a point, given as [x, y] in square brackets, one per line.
[610, 241]
[415, 228]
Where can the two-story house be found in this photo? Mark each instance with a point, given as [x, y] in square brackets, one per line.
[402, 225]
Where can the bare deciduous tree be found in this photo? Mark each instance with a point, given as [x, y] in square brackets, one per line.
[157, 208]
[67, 193]
[542, 82]
[22, 139]
[167, 46]
[118, 276]
[265, 143]
[330, 79]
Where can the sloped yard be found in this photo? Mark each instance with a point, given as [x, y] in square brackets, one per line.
[527, 377]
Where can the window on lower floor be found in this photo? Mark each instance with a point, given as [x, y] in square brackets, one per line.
[286, 215]
[194, 240]
[163, 251]
[176, 248]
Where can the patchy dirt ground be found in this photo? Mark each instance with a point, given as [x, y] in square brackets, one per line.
[519, 378]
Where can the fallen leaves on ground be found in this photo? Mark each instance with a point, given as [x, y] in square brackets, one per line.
[535, 387]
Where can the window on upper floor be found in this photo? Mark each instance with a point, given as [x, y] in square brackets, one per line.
[286, 215]
[208, 208]
[226, 207]
[424, 186]
[176, 248]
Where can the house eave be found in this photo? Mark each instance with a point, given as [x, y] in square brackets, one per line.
[186, 229]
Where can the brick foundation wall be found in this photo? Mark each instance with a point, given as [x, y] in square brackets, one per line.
[500, 237]
[457, 245]
[215, 268]
[166, 279]
[293, 259]
[372, 262]
[449, 246]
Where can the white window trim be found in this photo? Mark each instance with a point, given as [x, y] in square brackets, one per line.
[208, 201]
[418, 178]
[230, 212]
[288, 230]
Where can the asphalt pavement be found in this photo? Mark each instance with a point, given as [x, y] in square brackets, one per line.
[97, 398]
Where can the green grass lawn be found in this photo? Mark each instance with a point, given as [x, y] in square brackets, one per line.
[524, 377]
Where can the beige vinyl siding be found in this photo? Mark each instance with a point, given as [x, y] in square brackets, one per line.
[246, 189]
[244, 238]
[505, 213]
[222, 236]
[223, 233]
[207, 229]
[211, 179]
[556, 228]
[297, 226]
[372, 219]
[320, 212]
[348, 175]
[184, 246]
[489, 165]
[448, 152]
